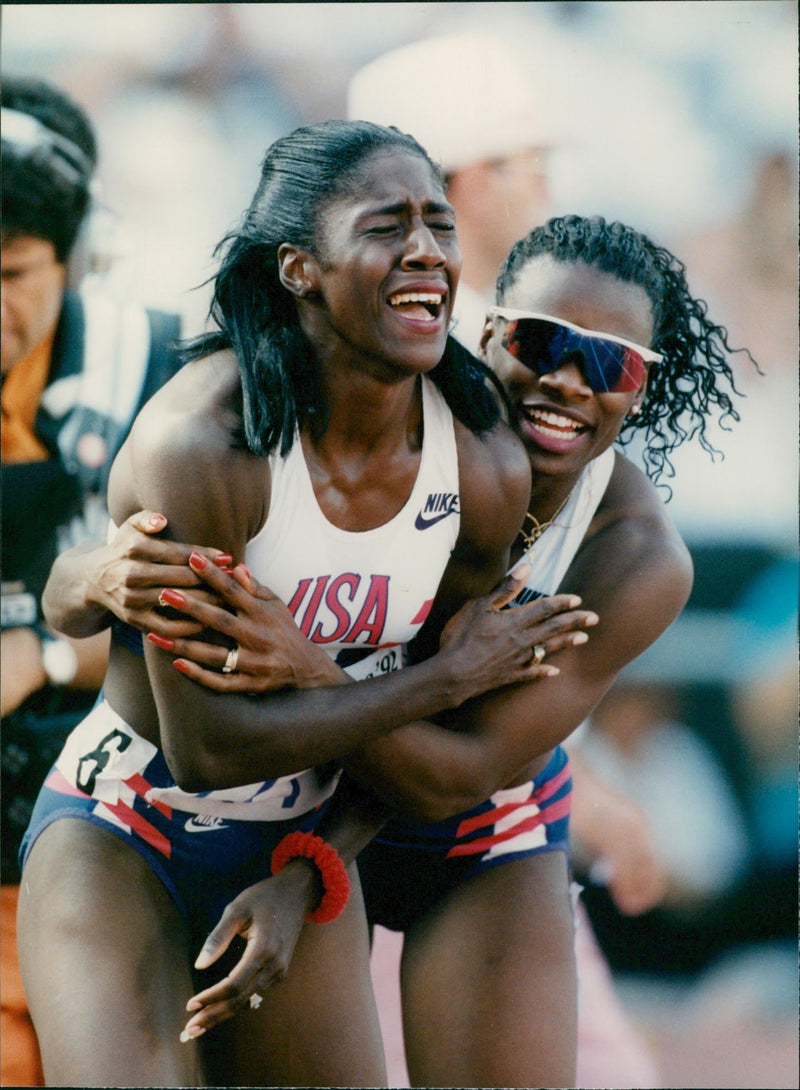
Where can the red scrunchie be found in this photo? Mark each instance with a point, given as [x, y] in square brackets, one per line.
[329, 863]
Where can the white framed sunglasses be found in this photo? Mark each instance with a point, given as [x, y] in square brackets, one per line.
[543, 343]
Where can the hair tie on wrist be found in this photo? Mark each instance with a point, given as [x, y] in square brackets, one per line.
[328, 862]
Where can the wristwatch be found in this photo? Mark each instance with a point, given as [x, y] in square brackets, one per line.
[59, 659]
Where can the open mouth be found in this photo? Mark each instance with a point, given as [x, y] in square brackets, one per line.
[419, 306]
[553, 424]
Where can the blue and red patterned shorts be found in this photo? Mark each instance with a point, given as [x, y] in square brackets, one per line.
[409, 867]
[205, 854]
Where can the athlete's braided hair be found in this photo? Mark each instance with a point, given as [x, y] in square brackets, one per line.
[694, 377]
[302, 174]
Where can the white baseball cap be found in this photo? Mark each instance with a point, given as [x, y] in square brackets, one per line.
[465, 97]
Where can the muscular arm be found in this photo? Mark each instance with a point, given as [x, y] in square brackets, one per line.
[635, 572]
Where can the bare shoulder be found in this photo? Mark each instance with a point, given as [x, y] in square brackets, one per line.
[199, 402]
[182, 457]
[635, 502]
[495, 482]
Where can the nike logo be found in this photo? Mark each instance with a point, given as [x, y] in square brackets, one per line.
[202, 823]
[437, 507]
[422, 523]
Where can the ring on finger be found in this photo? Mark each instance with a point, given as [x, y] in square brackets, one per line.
[538, 654]
[231, 662]
[256, 1000]
[161, 601]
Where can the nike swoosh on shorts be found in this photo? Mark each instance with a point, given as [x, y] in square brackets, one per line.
[197, 824]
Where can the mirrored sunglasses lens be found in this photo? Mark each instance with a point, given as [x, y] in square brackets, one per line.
[542, 346]
[605, 365]
[620, 368]
[535, 343]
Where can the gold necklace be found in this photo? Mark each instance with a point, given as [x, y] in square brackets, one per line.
[538, 528]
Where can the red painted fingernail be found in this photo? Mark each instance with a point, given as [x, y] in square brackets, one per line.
[197, 561]
[223, 560]
[161, 641]
[172, 597]
[182, 666]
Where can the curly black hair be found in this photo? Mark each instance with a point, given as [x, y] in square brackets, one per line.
[694, 377]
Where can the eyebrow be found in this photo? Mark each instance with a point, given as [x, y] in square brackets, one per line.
[434, 207]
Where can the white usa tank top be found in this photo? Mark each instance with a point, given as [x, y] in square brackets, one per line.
[550, 556]
[360, 595]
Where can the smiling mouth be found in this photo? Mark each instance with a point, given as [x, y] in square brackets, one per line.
[418, 305]
[553, 424]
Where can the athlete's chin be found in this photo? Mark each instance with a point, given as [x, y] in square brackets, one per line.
[419, 353]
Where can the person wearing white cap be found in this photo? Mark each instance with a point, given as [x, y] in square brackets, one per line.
[468, 100]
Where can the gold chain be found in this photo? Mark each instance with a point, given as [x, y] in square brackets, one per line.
[538, 528]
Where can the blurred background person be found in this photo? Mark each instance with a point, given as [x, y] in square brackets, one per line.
[76, 367]
[638, 743]
[721, 798]
[487, 130]
[612, 839]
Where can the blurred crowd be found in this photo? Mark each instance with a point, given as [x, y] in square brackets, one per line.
[678, 118]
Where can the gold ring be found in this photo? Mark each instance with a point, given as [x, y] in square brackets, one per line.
[256, 1000]
[231, 661]
[538, 654]
[161, 601]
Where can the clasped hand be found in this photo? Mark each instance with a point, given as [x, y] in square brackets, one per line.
[485, 645]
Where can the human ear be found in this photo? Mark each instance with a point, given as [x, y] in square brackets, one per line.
[298, 270]
[486, 336]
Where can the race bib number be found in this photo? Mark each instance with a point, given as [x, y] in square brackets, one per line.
[383, 661]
